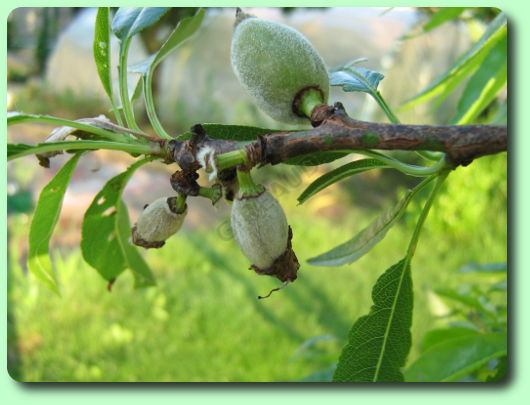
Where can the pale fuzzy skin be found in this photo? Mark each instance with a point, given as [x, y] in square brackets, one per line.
[157, 222]
[274, 62]
[260, 228]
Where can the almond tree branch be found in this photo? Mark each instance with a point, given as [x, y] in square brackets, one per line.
[335, 130]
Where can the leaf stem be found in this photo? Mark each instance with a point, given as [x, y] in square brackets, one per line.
[247, 187]
[412, 170]
[233, 158]
[124, 89]
[424, 213]
[150, 107]
[153, 149]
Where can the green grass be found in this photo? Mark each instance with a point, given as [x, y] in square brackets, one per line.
[203, 321]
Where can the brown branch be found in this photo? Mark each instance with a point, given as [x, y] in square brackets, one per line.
[334, 131]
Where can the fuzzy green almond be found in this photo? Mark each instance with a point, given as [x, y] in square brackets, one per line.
[276, 65]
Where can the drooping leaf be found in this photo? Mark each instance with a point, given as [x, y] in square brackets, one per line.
[347, 170]
[356, 79]
[366, 239]
[463, 66]
[133, 259]
[484, 85]
[44, 221]
[456, 358]
[441, 16]
[437, 336]
[379, 342]
[100, 244]
[101, 48]
[129, 21]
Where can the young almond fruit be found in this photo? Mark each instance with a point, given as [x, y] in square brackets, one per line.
[260, 229]
[158, 221]
[279, 68]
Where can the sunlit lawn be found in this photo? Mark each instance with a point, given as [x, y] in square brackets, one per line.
[203, 321]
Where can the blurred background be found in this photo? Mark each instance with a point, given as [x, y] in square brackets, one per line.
[202, 322]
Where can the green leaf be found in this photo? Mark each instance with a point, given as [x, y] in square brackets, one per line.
[184, 30]
[347, 170]
[456, 358]
[378, 343]
[133, 259]
[100, 242]
[43, 224]
[18, 150]
[97, 126]
[461, 297]
[239, 133]
[443, 15]
[101, 47]
[356, 79]
[138, 89]
[15, 150]
[463, 66]
[484, 85]
[365, 240]
[129, 21]
[437, 336]
[317, 158]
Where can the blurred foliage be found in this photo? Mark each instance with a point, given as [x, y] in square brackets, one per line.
[39, 99]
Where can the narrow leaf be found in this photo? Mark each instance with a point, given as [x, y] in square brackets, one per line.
[44, 221]
[443, 15]
[240, 133]
[100, 244]
[317, 158]
[456, 358]
[484, 85]
[365, 240]
[356, 79]
[184, 30]
[101, 48]
[18, 150]
[129, 21]
[378, 343]
[463, 66]
[347, 170]
[133, 259]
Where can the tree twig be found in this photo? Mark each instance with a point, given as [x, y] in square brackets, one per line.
[335, 130]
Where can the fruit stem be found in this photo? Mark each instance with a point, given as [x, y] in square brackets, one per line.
[309, 99]
[213, 193]
[181, 203]
[247, 187]
[233, 158]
